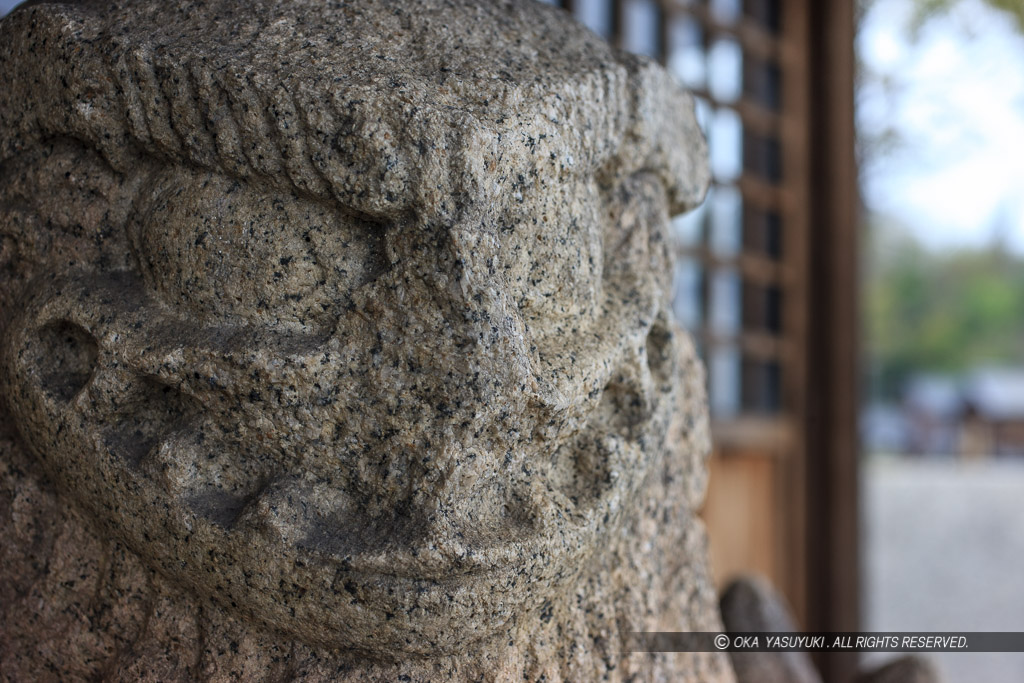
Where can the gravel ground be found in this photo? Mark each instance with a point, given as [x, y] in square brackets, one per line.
[944, 551]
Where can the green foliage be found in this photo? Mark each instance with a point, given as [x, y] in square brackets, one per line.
[926, 310]
[938, 311]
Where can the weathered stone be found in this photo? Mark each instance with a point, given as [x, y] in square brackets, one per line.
[336, 346]
[751, 604]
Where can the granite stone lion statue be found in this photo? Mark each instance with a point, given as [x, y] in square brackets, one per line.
[335, 345]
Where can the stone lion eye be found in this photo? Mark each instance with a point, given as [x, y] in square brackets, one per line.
[223, 249]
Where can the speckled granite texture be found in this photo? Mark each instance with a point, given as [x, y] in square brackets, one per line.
[336, 346]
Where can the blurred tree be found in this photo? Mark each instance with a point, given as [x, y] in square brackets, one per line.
[926, 310]
[877, 137]
[938, 311]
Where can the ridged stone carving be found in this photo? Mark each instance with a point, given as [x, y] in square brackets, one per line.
[336, 345]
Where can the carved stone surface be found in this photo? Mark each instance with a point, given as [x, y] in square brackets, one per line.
[336, 346]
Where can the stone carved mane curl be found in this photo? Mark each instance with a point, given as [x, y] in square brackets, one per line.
[253, 102]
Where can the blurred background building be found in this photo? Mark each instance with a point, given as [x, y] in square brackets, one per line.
[940, 122]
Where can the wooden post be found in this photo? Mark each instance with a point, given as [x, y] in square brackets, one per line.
[832, 382]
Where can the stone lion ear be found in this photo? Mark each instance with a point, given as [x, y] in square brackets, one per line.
[663, 135]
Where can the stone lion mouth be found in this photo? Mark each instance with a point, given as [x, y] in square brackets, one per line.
[163, 437]
[188, 446]
[301, 555]
[246, 496]
[322, 524]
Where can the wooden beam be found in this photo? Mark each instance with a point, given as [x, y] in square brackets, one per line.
[831, 428]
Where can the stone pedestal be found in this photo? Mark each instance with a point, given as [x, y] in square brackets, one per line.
[336, 345]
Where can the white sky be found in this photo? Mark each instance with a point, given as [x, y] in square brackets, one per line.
[956, 100]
